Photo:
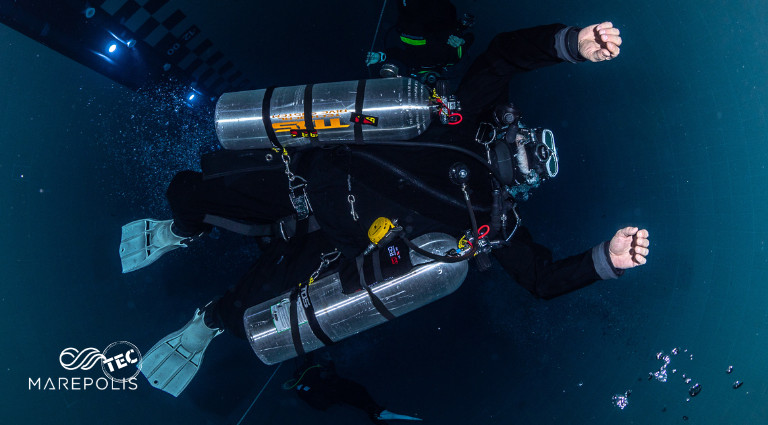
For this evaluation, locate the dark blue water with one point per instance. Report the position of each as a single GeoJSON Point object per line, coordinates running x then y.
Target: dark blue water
{"type": "Point", "coordinates": [670, 136]}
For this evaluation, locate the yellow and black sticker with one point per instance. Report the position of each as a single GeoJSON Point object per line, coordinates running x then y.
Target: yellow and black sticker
{"type": "Point", "coordinates": [365, 119]}
{"type": "Point", "coordinates": [303, 133]}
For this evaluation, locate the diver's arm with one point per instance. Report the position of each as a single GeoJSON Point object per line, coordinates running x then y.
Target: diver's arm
{"type": "Point", "coordinates": [532, 267]}
{"type": "Point", "coordinates": [509, 53]}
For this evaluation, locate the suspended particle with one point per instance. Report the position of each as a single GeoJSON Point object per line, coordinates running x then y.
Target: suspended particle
{"type": "Point", "coordinates": [621, 400]}
{"type": "Point", "coordinates": [695, 390]}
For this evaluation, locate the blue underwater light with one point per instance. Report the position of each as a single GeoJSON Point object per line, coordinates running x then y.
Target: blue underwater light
{"type": "Point", "coordinates": [194, 96]}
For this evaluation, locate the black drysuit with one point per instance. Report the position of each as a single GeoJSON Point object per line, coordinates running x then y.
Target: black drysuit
{"type": "Point", "coordinates": [334, 174]}
{"type": "Point", "coordinates": [430, 22]}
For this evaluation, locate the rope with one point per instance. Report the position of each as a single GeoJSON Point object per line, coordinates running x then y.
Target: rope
{"type": "Point", "coordinates": [376, 34]}
{"type": "Point", "coordinates": [259, 394]}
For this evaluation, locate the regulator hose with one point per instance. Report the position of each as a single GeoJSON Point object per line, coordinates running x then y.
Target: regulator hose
{"type": "Point", "coordinates": [414, 181]}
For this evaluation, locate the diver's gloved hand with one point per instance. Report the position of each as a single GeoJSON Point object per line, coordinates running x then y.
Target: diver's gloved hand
{"type": "Point", "coordinates": [599, 42]}
{"type": "Point", "coordinates": [375, 57]}
{"type": "Point", "coordinates": [628, 248]}
{"type": "Point", "coordinates": [455, 41]}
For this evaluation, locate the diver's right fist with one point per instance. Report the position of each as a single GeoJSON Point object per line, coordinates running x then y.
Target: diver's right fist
{"type": "Point", "coordinates": [375, 57]}
{"type": "Point", "coordinates": [629, 247]}
{"type": "Point", "coordinates": [599, 42]}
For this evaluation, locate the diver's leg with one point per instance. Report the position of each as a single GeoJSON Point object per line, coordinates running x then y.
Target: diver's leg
{"type": "Point", "coordinates": [355, 395]}
{"type": "Point", "coordinates": [245, 203]}
{"type": "Point", "coordinates": [280, 266]}
{"type": "Point", "coordinates": [259, 197]}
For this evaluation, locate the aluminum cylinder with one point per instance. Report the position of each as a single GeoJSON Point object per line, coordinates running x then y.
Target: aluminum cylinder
{"type": "Point", "coordinates": [401, 105]}
{"type": "Point", "coordinates": [340, 315]}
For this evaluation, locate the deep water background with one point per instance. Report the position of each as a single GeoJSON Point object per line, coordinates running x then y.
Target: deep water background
{"type": "Point", "coordinates": [671, 136]}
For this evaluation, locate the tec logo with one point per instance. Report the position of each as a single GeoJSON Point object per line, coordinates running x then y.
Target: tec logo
{"type": "Point", "coordinates": [120, 359]}
{"type": "Point", "coordinates": [394, 254]}
{"type": "Point", "coordinates": [114, 359]}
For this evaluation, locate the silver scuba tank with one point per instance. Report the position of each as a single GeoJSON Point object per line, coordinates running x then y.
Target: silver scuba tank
{"type": "Point", "coordinates": [398, 108]}
{"type": "Point", "coordinates": [267, 325]}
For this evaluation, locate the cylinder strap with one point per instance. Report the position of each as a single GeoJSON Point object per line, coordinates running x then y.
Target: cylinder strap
{"type": "Point", "coordinates": [377, 267]}
{"type": "Point", "coordinates": [294, 319]}
{"type": "Point", "coordinates": [265, 118]}
{"type": "Point", "coordinates": [302, 291]}
{"type": "Point", "coordinates": [309, 124]}
{"type": "Point", "coordinates": [359, 98]}
{"type": "Point", "coordinates": [377, 303]}
{"type": "Point", "coordinates": [309, 309]}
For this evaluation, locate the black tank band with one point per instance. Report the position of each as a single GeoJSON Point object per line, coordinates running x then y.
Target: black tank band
{"type": "Point", "coordinates": [377, 303]}
{"type": "Point", "coordinates": [294, 319]}
{"type": "Point", "coordinates": [309, 123]}
{"type": "Point", "coordinates": [359, 98]}
{"type": "Point", "coordinates": [309, 310]}
{"type": "Point", "coordinates": [300, 298]}
{"type": "Point", "coordinates": [265, 118]}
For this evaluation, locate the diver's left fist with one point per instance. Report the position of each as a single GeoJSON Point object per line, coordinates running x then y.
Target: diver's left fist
{"type": "Point", "coordinates": [455, 41]}
{"type": "Point", "coordinates": [372, 58]}
{"type": "Point", "coordinates": [599, 42]}
{"type": "Point", "coordinates": [628, 248]}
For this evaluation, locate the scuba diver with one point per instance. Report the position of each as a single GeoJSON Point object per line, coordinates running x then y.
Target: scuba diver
{"type": "Point", "coordinates": [431, 39]}
{"type": "Point", "coordinates": [362, 231]}
{"type": "Point", "coordinates": [318, 385]}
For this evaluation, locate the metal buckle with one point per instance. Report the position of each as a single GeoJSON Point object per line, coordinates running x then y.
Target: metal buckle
{"type": "Point", "coordinates": [300, 202]}
{"type": "Point", "coordinates": [483, 131]}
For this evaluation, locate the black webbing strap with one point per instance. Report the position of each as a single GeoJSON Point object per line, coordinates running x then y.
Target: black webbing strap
{"type": "Point", "coordinates": [309, 310]}
{"type": "Point", "coordinates": [309, 123]}
{"type": "Point", "coordinates": [377, 267]}
{"type": "Point", "coordinates": [377, 303]}
{"type": "Point", "coordinates": [359, 110]}
{"type": "Point", "coordinates": [265, 118]}
{"type": "Point", "coordinates": [285, 228]}
{"type": "Point", "coordinates": [294, 319]}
